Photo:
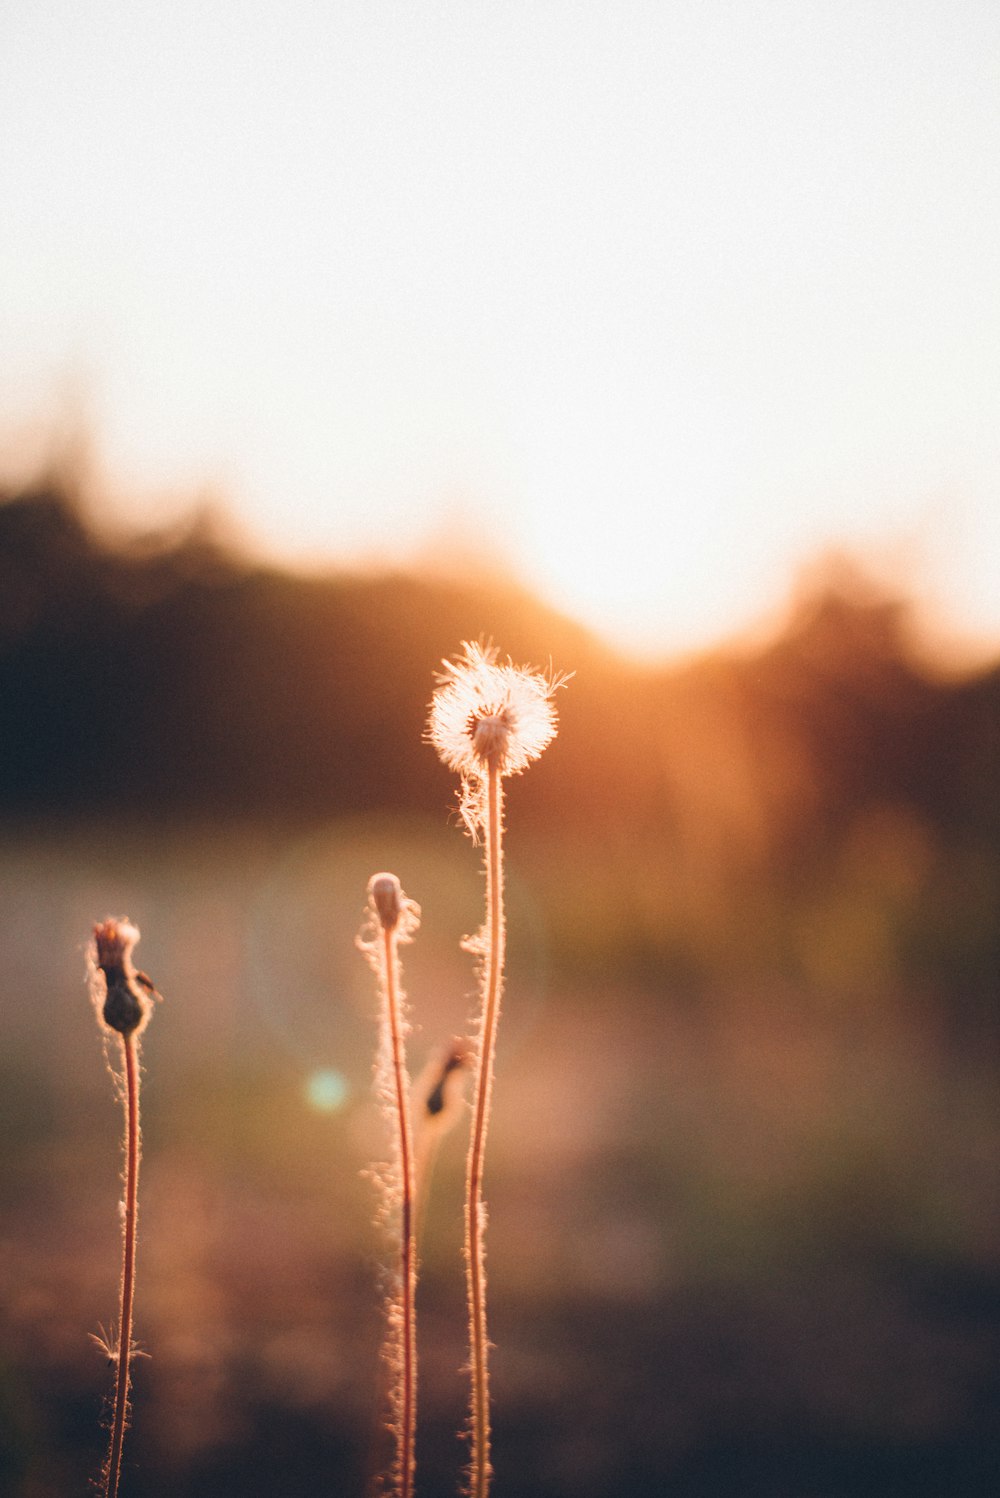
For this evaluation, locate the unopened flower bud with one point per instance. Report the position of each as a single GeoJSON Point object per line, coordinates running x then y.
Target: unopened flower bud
{"type": "Point", "coordinates": [124, 1005]}
{"type": "Point", "coordinates": [386, 896]}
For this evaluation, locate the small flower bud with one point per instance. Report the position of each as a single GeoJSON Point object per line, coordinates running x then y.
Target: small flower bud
{"type": "Point", "coordinates": [124, 1006]}
{"type": "Point", "coordinates": [386, 896]}
{"type": "Point", "coordinates": [389, 913]}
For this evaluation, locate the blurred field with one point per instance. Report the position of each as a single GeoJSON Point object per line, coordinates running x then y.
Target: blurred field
{"type": "Point", "coordinates": [745, 1229]}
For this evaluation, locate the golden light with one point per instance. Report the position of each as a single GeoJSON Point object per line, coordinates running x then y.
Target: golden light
{"type": "Point", "coordinates": [672, 297]}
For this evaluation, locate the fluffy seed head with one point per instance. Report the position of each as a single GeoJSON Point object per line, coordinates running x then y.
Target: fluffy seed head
{"type": "Point", "coordinates": [488, 715]}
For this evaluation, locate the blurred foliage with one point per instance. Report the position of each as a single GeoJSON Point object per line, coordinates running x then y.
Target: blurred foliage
{"type": "Point", "coordinates": [824, 806]}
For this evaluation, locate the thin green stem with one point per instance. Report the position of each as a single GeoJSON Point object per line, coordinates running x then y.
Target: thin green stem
{"type": "Point", "coordinates": [130, 1054]}
{"type": "Point", "coordinates": [406, 1434]}
{"type": "Point", "coordinates": [475, 1218]}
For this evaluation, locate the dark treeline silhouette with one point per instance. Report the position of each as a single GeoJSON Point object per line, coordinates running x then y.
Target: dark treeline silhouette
{"type": "Point", "coordinates": [177, 677]}
{"type": "Point", "coordinates": [181, 677]}
{"type": "Point", "coordinates": [727, 799]}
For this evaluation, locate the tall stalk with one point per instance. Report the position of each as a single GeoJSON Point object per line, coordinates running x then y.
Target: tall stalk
{"type": "Point", "coordinates": [121, 998]}
{"type": "Point", "coordinates": [392, 919]}
{"type": "Point", "coordinates": [123, 1376]}
{"type": "Point", "coordinates": [487, 720]}
{"type": "Point", "coordinates": [475, 1208]}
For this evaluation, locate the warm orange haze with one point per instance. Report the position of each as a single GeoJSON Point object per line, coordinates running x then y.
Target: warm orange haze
{"type": "Point", "coordinates": [654, 301]}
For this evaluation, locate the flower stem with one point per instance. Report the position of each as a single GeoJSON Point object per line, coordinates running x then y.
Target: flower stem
{"type": "Point", "coordinates": [475, 1222]}
{"type": "Point", "coordinates": [130, 1054]}
{"type": "Point", "coordinates": [406, 1434]}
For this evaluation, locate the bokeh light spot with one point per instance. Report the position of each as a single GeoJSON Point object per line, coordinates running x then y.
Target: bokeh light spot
{"type": "Point", "coordinates": [326, 1090]}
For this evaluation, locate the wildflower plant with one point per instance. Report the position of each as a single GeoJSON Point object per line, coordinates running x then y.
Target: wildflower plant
{"type": "Point", "coordinates": [390, 920]}
{"type": "Point", "coordinates": [488, 720]}
{"type": "Point", "coordinates": [122, 999]}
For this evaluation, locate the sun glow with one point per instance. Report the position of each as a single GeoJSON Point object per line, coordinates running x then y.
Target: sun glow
{"type": "Point", "coordinates": [670, 297]}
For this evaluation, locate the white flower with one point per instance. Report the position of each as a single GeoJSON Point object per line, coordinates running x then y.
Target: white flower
{"type": "Point", "coordinates": [489, 717]}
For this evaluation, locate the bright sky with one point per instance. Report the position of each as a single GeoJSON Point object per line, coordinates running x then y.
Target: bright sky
{"type": "Point", "coordinates": [656, 298]}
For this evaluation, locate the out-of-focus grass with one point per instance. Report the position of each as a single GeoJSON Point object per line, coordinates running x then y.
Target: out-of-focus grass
{"type": "Point", "coordinates": [744, 1232]}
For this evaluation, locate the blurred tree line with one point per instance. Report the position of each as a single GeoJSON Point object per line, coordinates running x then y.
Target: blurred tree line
{"type": "Point", "coordinates": [822, 808]}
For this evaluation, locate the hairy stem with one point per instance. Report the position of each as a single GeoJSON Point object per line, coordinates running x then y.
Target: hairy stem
{"type": "Point", "coordinates": [130, 1054]}
{"type": "Point", "coordinates": [475, 1218]}
{"type": "Point", "coordinates": [406, 1434]}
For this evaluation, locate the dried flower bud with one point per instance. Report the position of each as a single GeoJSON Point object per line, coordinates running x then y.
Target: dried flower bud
{"type": "Point", "coordinates": [120, 993]}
